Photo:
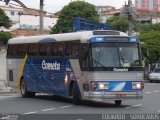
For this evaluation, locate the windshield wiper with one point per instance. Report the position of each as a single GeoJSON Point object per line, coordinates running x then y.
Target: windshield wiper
{"type": "Point", "coordinates": [135, 63]}
{"type": "Point", "coordinates": [97, 62]}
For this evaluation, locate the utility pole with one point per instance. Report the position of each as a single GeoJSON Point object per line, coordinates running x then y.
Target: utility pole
{"type": "Point", "coordinates": [129, 10]}
{"type": "Point", "coordinates": [41, 17]}
{"type": "Point", "coordinates": [130, 27]}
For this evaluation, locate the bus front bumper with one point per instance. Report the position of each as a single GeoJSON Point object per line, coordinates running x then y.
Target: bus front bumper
{"type": "Point", "coordinates": [114, 95]}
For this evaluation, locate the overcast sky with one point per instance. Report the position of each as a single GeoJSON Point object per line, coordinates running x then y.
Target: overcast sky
{"type": "Point", "coordinates": [56, 5]}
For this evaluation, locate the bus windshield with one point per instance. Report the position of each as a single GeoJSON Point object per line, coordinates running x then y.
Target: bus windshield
{"type": "Point", "coordinates": [115, 55]}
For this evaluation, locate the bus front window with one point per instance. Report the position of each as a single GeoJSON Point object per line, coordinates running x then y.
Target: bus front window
{"type": "Point", "coordinates": [105, 55]}
{"type": "Point", "coordinates": [115, 55]}
{"type": "Point", "coordinates": [129, 56]}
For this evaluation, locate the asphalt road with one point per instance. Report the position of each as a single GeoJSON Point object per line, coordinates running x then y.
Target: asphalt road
{"type": "Point", "coordinates": [43, 104]}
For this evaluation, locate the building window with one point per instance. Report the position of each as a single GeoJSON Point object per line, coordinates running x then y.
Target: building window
{"type": "Point", "coordinates": [12, 13]}
{"type": "Point", "coordinates": [10, 75]}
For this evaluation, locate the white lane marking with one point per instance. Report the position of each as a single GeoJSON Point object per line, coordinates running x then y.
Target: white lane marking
{"type": "Point", "coordinates": [134, 106]}
{"type": "Point", "coordinates": [66, 106]}
{"type": "Point", "coordinates": [152, 91]}
{"type": "Point", "coordinates": [148, 92]}
{"type": "Point", "coordinates": [30, 113]}
{"type": "Point", "coordinates": [157, 91]}
{"type": "Point", "coordinates": [48, 109]}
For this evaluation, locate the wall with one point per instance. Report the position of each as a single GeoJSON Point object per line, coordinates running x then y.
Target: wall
{"type": "Point", "coordinates": [15, 17]}
{"type": "Point", "coordinates": [17, 33]}
{"type": "Point", "coordinates": [32, 22]}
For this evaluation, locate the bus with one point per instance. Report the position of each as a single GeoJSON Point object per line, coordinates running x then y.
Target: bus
{"type": "Point", "coordinates": [86, 65]}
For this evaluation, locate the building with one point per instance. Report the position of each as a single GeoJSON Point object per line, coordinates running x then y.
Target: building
{"type": "Point", "coordinates": [152, 6]}
{"type": "Point", "coordinates": [148, 10]}
{"type": "Point", "coordinates": [106, 12]}
{"type": "Point", "coordinates": [28, 18]}
{"type": "Point", "coordinates": [12, 12]}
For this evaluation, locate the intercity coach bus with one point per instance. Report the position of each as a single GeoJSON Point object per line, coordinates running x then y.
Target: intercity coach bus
{"type": "Point", "coordinates": [87, 65]}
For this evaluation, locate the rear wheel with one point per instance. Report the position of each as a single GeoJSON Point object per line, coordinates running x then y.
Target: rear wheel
{"type": "Point", "coordinates": [76, 96]}
{"type": "Point", "coordinates": [118, 102]}
{"type": "Point", "coordinates": [24, 91]}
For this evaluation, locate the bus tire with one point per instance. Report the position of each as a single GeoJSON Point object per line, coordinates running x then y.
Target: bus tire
{"type": "Point", "coordinates": [24, 92]}
{"type": "Point", "coordinates": [118, 102]}
{"type": "Point", "coordinates": [76, 96]}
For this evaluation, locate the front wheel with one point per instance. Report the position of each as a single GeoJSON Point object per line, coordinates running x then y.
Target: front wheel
{"type": "Point", "coordinates": [76, 96]}
{"type": "Point", "coordinates": [24, 91]}
{"type": "Point", "coordinates": [118, 102]}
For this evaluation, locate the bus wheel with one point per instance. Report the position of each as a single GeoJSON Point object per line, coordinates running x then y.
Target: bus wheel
{"type": "Point", "coordinates": [24, 92]}
{"type": "Point", "coordinates": [118, 102]}
{"type": "Point", "coordinates": [76, 96]}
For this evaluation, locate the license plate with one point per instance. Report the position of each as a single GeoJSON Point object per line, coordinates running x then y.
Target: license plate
{"type": "Point", "coordinates": [120, 95]}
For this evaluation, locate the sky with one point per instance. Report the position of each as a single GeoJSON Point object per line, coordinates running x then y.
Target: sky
{"type": "Point", "coordinates": [56, 5]}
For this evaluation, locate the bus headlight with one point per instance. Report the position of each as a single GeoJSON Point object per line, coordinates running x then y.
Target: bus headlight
{"type": "Point", "coordinates": [136, 85]}
{"type": "Point", "coordinates": [103, 86]}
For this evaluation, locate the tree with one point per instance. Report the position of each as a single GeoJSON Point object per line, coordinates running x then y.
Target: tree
{"type": "Point", "coordinates": [151, 46]}
{"type": "Point", "coordinates": [118, 22]}
{"type": "Point", "coordinates": [70, 12]}
{"type": "Point", "coordinates": [4, 20]}
{"type": "Point", "coordinates": [149, 27]}
{"type": "Point", "coordinates": [5, 36]}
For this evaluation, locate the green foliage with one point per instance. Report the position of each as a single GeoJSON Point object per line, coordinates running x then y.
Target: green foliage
{"type": "Point", "coordinates": [4, 20]}
{"type": "Point", "coordinates": [151, 46]}
{"type": "Point", "coordinates": [5, 36]}
{"type": "Point", "coordinates": [118, 23]}
{"type": "Point", "coordinates": [75, 9]}
{"type": "Point", "coordinates": [149, 27]}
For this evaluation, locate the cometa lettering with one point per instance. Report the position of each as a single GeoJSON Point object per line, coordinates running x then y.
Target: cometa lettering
{"type": "Point", "coordinates": [123, 70]}
{"type": "Point", "coordinates": [50, 66]}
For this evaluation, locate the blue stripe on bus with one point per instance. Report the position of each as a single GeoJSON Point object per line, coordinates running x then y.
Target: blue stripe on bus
{"type": "Point", "coordinates": [117, 86]}
{"type": "Point", "coordinates": [105, 39]}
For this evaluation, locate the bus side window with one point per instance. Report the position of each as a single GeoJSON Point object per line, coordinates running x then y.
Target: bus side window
{"type": "Point", "coordinates": [33, 49]}
{"type": "Point", "coordinates": [12, 50]}
{"type": "Point", "coordinates": [72, 49]}
{"type": "Point", "coordinates": [58, 49]}
{"type": "Point", "coordinates": [22, 50]}
{"type": "Point", "coordinates": [85, 56]}
{"type": "Point", "coordinates": [45, 49]}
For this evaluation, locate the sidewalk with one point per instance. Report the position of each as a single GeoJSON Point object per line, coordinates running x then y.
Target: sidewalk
{"type": "Point", "coordinates": [4, 89]}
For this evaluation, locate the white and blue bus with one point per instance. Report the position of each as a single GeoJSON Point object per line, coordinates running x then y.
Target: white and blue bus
{"type": "Point", "coordinates": [87, 65]}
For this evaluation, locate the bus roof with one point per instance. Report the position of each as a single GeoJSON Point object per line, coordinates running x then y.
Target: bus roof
{"type": "Point", "coordinates": [83, 36]}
